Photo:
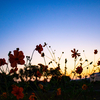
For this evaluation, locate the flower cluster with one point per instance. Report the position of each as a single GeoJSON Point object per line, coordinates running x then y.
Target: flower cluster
{"type": "Point", "coordinates": [30, 70]}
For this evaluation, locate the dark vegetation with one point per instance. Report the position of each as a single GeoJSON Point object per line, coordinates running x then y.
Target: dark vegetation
{"type": "Point", "coordinates": [70, 89]}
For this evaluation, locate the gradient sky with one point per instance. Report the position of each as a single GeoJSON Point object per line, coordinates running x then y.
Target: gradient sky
{"type": "Point", "coordinates": [62, 24]}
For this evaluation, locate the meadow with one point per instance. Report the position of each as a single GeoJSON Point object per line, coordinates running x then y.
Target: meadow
{"type": "Point", "coordinates": [60, 86]}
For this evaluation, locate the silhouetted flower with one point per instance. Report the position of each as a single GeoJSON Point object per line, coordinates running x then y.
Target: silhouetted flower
{"type": "Point", "coordinates": [44, 44]}
{"type": "Point", "coordinates": [95, 51]}
{"type": "Point", "coordinates": [57, 68]}
{"type": "Point", "coordinates": [17, 58]}
{"type": "Point", "coordinates": [18, 92]}
{"type": "Point", "coordinates": [38, 73]}
{"type": "Point", "coordinates": [84, 87]}
{"type": "Point", "coordinates": [75, 54]}
{"type": "Point", "coordinates": [59, 91]}
{"type": "Point", "coordinates": [13, 70]}
{"type": "Point", "coordinates": [45, 80]}
{"type": "Point", "coordinates": [98, 63]}
{"type": "Point", "coordinates": [45, 68]}
{"type": "Point", "coordinates": [2, 62]}
{"type": "Point", "coordinates": [79, 70]}
{"type": "Point", "coordinates": [42, 54]}
{"type": "Point", "coordinates": [91, 62]}
{"type": "Point", "coordinates": [39, 48]}
{"type": "Point", "coordinates": [86, 60]}
{"type": "Point", "coordinates": [65, 60]}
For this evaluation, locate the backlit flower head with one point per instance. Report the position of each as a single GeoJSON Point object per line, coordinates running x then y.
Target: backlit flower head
{"type": "Point", "coordinates": [39, 48]}
{"type": "Point", "coordinates": [58, 68]}
{"type": "Point", "coordinates": [95, 51]}
{"type": "Point", "coordinates": [4, 95]}
{"type": "Point", "coordinates": [18, 92]}
{"type": "Point", "coordinates": [84, 87]}
{"type": "Point", "coordinates": [45, 68]}
{"type": "Point", "coordinates": [17, 58]}
{"type": "Point", "coordinates": [65, 60]}
{"type": "Point", "coordinates": [75, 54]}
{"type": "Point", "coordinates": [2, 62]}
{"type": "Point", "coordinates": [45, 80]}
{"type": "Point", "coordinates": [79, 70]}
{"type": "Point", "coordinates": [59, 91]}
{"type": "Point", "coordinates": [38, 73]}
{"type": "Point", "coordinates": [13, 70]}
{"type": "Point", "coordinates": [44, 44]}
{"type": "Point", "coordinates": [98, 63]}
{"type": "Point", "coordinates": [32, 97]}
{"type": "Point", "coordinates": [40, 86]}
{"type": "Point", "coordinates": [42, 54]}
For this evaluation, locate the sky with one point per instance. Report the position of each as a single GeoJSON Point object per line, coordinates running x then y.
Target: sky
{"type": "Point", "coordinates": [62, 24]}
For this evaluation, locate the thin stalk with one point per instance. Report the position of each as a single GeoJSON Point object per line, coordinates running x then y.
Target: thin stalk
{"type": "Point", "coordinates": [50, 52]}
{"type": "Point", "coordinates": [7, 66]}
{"type": "Point", "coordinates": [44, 60]}
{"type": "Point", "coordinates": [49, 58]}
{"type": "Point", "coordinates": [74, 64]}
{"type": "Point", "coordinates": [31, 56]}
{"type": "Point", "coordinates": [94, 59]}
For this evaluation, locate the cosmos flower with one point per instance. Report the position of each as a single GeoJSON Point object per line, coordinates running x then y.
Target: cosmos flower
{"type": "Point", "coordinates": [4, 94]}
{"type": "Point", "coordinates": [32, 97]}
{"type": "Point", "coordinates": [95, 51]}
{"type": "Point", "coordinates": [75, 54]}
{"type": "Point", "coordinates": [58, 68]}
{"type": "Point", "coordinates": [17, 58]}
{"type": "Point", "coordinates": [45, 80]}
{"type": "Point", "coordinates": [79, 70]}
{"type": "Point", "coordinates": [13, 70]}
{"type": "Point", "coordinates": [40, 86]}
{"type": "Point", "coordinates": [59, 91]}
{"type": "Point", "coordinates": [44, 68]}
{"type": "Point", "coordinates": [2, 62]}
{"type": "Point", "coordinates": [38, 73]}
{"type": "Point", "coordinates": [84, 87]}
{"type": "Point", "coordinates": [39, 48]}
{"type": "Point", "coordinates": [98, 63]}
{"type": "Point", "coordinates": [18, 92]}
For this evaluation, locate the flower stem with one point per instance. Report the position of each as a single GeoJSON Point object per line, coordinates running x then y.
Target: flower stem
{"type": "Point", "coordinates": [44, 60]}
{"type": "Point", "coordinates": [31, 55]}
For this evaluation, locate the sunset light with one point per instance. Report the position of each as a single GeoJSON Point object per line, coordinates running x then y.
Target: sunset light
{"type": "Point", "coordinates": [49, 41]}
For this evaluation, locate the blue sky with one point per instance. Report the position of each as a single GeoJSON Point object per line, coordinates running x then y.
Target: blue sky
{"type": "Point", "coordinates": [63, 24]}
